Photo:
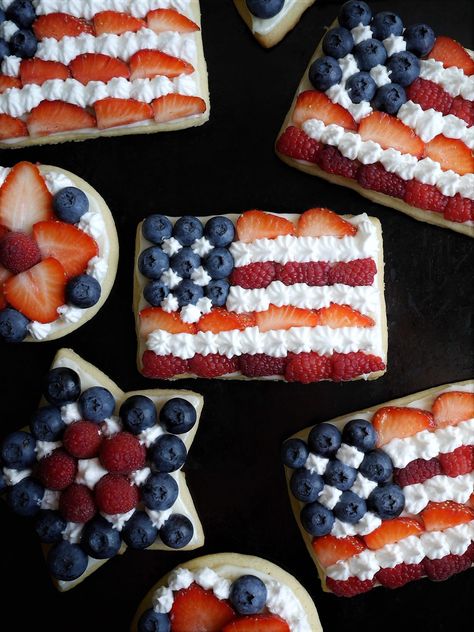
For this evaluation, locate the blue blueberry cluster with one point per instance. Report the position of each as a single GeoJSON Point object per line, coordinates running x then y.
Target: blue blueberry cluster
{"type": "Point", "coordinates": [327, 444]}
{"type": "Point", "coordinates": [265, 9]}
{"type": "Point", "coordinates": [23, 42]}
{"type": "Point", "coordinates": [403, 67]}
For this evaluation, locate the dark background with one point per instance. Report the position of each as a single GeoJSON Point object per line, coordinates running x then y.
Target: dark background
{"type": "Point", "coordinates": [228, 166]}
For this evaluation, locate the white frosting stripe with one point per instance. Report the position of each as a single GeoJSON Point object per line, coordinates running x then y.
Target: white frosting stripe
{"type": "Point", "coordinates": [453, 79]}
{"type": "Point", "coordinates": [438, 489]}
{"type": "Point", "coordinates": [429, 123]}
{"type": "Point", "coordinates": [88, 8]}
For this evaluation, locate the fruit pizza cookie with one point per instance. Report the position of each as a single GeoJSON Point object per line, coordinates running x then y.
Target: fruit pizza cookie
{"type": "Point", "coordinates": [227, 592]}
{"type": "Point", "coordinates": [387, 109]}
{"type": "Point", "coordinates": [261, 296]}
{"type": "Point", "coordinates": [385, 496]}
{"type": "Point", "coordinates": [99, 470]}
{"type": "Point", "coordinates": [58, 252]}
{"type": "Point", "coordinates": [72, 70]}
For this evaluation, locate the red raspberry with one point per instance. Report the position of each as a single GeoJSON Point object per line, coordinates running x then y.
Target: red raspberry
{"type": "Point", "coordinates": [347, 366]}
{"type": "Point", "coordinates": [167, 366]}
{"type": "Point", "coordinates": [296, 144]}
{"type": "Point", "coordinates": [76, 504]}
{"type": "Point", "coordinates": [350, 587]}
{"type": "Point", "coordinates": [429, 95]}
{"type": "Point", "coordinates": [377, 178]}
{"type": "Point", "coordinates": [459, 461]}
{"type": "Point", "coordinates": [19, 252]}
{"type": "Point", "coordinates": [400, 575]}
{"type": "Point", "coordinates": [353, 273]}
{"type": "Point", "coordinates": [57, 471]}
{"type": "Point", "coordinates": [253, 275]}
{"type": "Point", "coordinates": [463, 109]}
{"type": "Point", "coordinates": [470, 552]}
{"type": "Point", "coordinates": [260, 364]}
{"type": "Point", "coordinates": [114, 494]}
{"type": "Point", "coordinates": [425, 196]}
{"type": "Point", "coordinates": [83, 439]}
{"type": "Point", "coordinates": [459, 209]}
{"type": "Point", "coordinates": [212, 365]}
{"type": "Point", "coordinates": [332, 161]}
{"type": "Point", "coordinates": [122, 453]}
{"type": "Point", "coordinates": [312, 273]}
{"type": "Point", "coordinates": [307, 368]}
{"type": "Point", "coordinates": [416, 471]}
{"type": "Point", "coordinates": [447, 565]}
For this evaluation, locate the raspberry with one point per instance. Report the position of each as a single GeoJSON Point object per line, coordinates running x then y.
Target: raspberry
{"type": "Point", "coordinates": [167, 366]}
{"type": "Point", "coordinates": [114, 494]}
{"type": "Point", "coordinates": [332, 161]}
{"type": "Point", "coordinates": [82, 439]}
{"type": "Point", "coordinates": [19, 252]}
{"type": "Point", "coordinates": [212, 365]}
{"type": "Point", "coordinates": [416, 471]}
{"type": "Point", "coordinates": [459, 209]}
{"type": "Point", "coordinates": [346, 366]}
{"type": "Point", "coordinates": [57, 471]}
{"type": "Point", "coordinates": [399, 575]}
{"type": "Point", "coordinates": [312, 273]}
{"type": "Point", "coordinates": [375, 177]}
{"type": "Point", "coordinates": [425, 196]}
{"type": "Point", "coordinates": [463, 109]}
{"type": "Point", "coordinates": [353, 273]}
{"type": "Point", "coordinates": [76, 504]}
{"type": "Point", "coordinates": [122, 453]}
{"type": "Point", "coordinates": [429, 95]}
{"type": "Point", "coordinates": [470, 552]}
{"type": "Point", "coordinates": [307, 368]}
{"type": "Point", "coordinates": [260, 364]}
{"type": "Point", "coordinates": [253, 275]}
{"type": "Point", "coordinates": [459, 461]}
{"type": "Point", "coordinates": [296, 144]}
{"type": "Point", "coordinates": [350, 587]}
{"type": "Point", "coordinates": [446, 566]}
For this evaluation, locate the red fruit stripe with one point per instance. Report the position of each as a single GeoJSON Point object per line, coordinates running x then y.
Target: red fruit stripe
{"type": "Point", "coordinates": [163, 367]}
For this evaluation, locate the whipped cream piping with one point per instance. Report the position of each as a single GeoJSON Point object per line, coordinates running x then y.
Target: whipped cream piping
{"type": "Point", "coordinates": [429, 123]}
{"type": "Point", "coordinates": [453, 79]}
{"type": "Point", "coordinates": [263, 26]}
{"type": "Point", "coordinates": [438, 489]}
{"type": "Point", "coordinates": [88, 8]}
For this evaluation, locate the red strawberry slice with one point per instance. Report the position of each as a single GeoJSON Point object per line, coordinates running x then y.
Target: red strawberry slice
{"type": "Point", "coordinates": [220, 319]}
{"type": "Point", "coordinates": [451, 154]}
{"type": "Point", "coordinates": [53, 117]}
{"type": "Point", "coordinates": [7, 82]}
{"type": "Point", "coordinates": [285, 318]}
{"type": "Point", "coordinates": [313, 104]}
{"type": "Point", "coordinates": [153, 318]}
{"type": "Point", "coordinates": [38, 71]}
{"type": "Point", "coordinates": [440, 516]}
{"type": "Point", "coordinates": [394, 422]}
{"type": "Point", "coordinates": [253, 225]}
{"type": "Point", "coordinates": [113, 112]}
{"type": "Point", "coordinates": [97, 67]}
{"type": "Point", "coordinates": [59, 25]}
{"type": "Point", "coordinates": [147, 63]}
{"type": "Point", "coordinates": [459, 461]}
{"type": "Point", "coordinates": [11, 127]}
{"type": "Point", "coordinates": [162, 20]}
{"type": "Point", "coordinates": [390, 132]}
{"type": "Point", "coordinates": [451, 53]}
{"type": "Point", "coordinates": [38, 292]}
{"type": "Point", "coordinates": [116, 23]}
{"type": "Point", "coordinates": [330, 549]}
{"type": "Point", "coordinates": [391, 531]}
{"type": "Point", "coordinates": [176, 106]}
{"type": "Point", "coordinates": [72, 247]}
{"type": "Point", "coordinates": [451, 408]}
{"type": "Point", "coordinates": [24, 198]}
{"type": "Point", "coordinates": [258, 623]}
{"type": "Point", "coordinates": [336, 316]}
{"type": "Point", "coordinates": [4, 275]}
{"type": "Point", "coordinates": [198, 610]}
{"type": "Point", "coordinates": [319, 222]}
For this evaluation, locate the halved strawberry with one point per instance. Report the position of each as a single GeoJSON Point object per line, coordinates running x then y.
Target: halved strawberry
{"type": "Point", "coordinates": [4, 275]}
{"type": "Point", "coordinates": [440, 516]}
{"type": "Point", "coordinates": [313, 104]}
{"type": "Point", "coordinates": [336, 316]}
{"type": "Point", "coordinates": [38, 71]}
{"type": "Point", "coordinates": [59, 25]}
{"type": "Point", "coordinates": [153, 318]}
{"type": "Point", "coordinates": [24, 198]}
{"type": "Point", "coordinates": [97, 67]}
{"type": "Point", "coordinates": [219, 319]}
{"type": "Point", "coordinates": [7, 82]}
{"type": "Point", "coordinates": [11, 127]}
{"type": "Point", "coordinates": [452, 407]}
{"type": "Point", "coordinates": [147, 64]}
{"type": "Point", "coordinates": [285, 318]}
{"type": "Point", "coordinates": [72, 247]}
{"type": "Point", "coordinates": [116, 23]}
{"type": "Point", "coordinates": [330, 549]}
{"type": "Point", "coordinates": [38, 292]}
{"type": "Point", "coordinates": [391, 531]}
{"type": "Point", "coordinates": [458, 462]}
{"type": "Point", "coordinates": [318, 222]}
{"type": "Point", "coordinates": [53, 117]}
{"type": "Point", "coordinates": [170, 107]}
{"type": "Point", "coordinates": [257, 623]}
{"type": "Point", "coordinates": [394, 422]}
{"type": "Point", "coordinates": [112, 112]}
{"type": "Point", "coordinates": [161, 20]}
{"type": "Point", "coordinates": [253, 225]}
{"type": "Point", "coordinates": [198, 610]}
{"type": "Point", "coordinates": [390, 132]}
{"type": "Point", "coordinates": [451, 154]}
{"type": "Point", "coordinates": [451, 53]}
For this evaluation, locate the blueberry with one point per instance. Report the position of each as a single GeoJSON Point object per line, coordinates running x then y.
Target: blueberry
{"type": "Point", "coordinates": [138, 413]}
{"type": "Point", "coordinates": [178, 415]}
{"type": "Point", "coordinates": [23, 44]}
{"type": "Point", "coordinates": [361, 87]}
{"type": "Point", "coordinates": [13, 325]}
{"type": "Point", "coordinates": [159, 492]}
{"type": "Point", "coordinates": [155, 292]}
{"type": "Point", "coordinates": [100, 540]}
{"type": "Point", "coordinates": [389, 98]}
{"type": "Point", "coordinates": [385, 24]}
{"type": "Point", "coordinates": [168, 453]}
{"type": "Point", "coordinates": [25, 497]}
{"type": "Point", "coordinates": [350, 508]}
{"type": "Point", "coordinates": [353, 13]}
{"type": "Point", "coordinates": [305, 485]}
{"type": "Point", "coordinates": [265, 8]}
{"type": "Point", "coordinates": [217, 291]}
{"type": "Point", "coordinates": [2, 16]}
{"type": "Point", "coordinates": [324, 440]}
{"type": "Point", "coordinates": [177, 531]}
{"type": "Point", "coordinates": [96, 404]}
{"type": "Point", "coordinates": [219, 231]}
{"type": "Point", "coordinates": [139, 532]}
{"type": "Point", "coordinates": [317, 519]}
{"type": "Point", "coordinates": [420, 39]}
{"type": "Point", "coordinates": [18, 450]}
{"type": "Point", "coordinates": [3, 482]}
{"type": "Point", "coordinates": [187, 229]}
{"type": "Point", "coordinates": [294, 453]}
{"type": "Point", "coordinates": [62, 386]}
{"type": "Point", "coordinates": [340, 475]}
{"type": "Point", "coordinates": [157, 228]}
{"type": "Point", "coordinates": [248, 595]}
{"type": "Point", "coordinates": [377, 466]}
{"type": "Point", "coordinates": [338, 42]}
{"type": "Point", "coordinates": [70, 204]}
{"type": "Point", "coordinates": [184, 262]}
{"type": "Point", "coordinates": [22, 12]}
{"type": "Point", "coordinates": [4, 49]}
{"type": "Point", "coordinates": [151, 621]}
{"type": "Point", "coordinates": [66, 561]}
{"type": "Point", "coordinates": [403, 67]}
{"type": "Point", "coordinates": [188, 293]}
{"type": "Point", "coordinates": [83, 291]}
{"type": "Point", "coordinates": [152, 262]}
{"type": "Point", "coordinates": [360, 433]}
{"type": "Point", "coordinates": [219, 263]}
{"type": "Point", "coordinates": [324, 73]}
{"type": "Point", "coordinates": [387, 501]}
{"type": "Point", "coordinates": [369, 53]}
{"type": "Point", "coordinates": [49, 525]}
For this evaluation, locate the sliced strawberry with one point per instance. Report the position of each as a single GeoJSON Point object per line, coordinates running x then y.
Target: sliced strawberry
{"type": "Point", "coordinates": [330, 549]}
{"type": "Point", "coordinates": [318, 222]}
{"type": "Point", "coordinates": [147, 64]}
{"type": "Point", "coordinates": [458, 462]}
{"type": "Point", "coordinates": [220, 319]}
{"type": "Point", "coordinates": [257, 623]}
{"type": "Point", "coordinates": [53, 117]}
{"type": "Point", "coordinates": [451, 154]}
{"type": "Point", "coordinates": [59, 25]}
{"type": "Point", "coordinates": [111, 112]}
{"type": "Point", "coordinates": [153, 318]}
{"type": "Point", "coordinates": [116, 23]}
{"type": "Point", "coordinates": [38, 71]}
{"type": "Point", "coordinates": [394, 422]}
{"type": "Point", "coordinates": [390, 132]}
{"type": "Point", "coordinates": [72, 247]}
{"type": "Point", "coordinates": [253, 225]}
{"type": "Point", "coordinates": [162, 20]}
{"type": "Point", "coordinates": [336, 316]}
{"type": "Point", "coordinates": [285, 318]}
{"type": "Point", "coordinates": [198, 610]}
{"type": "Point", "coordinates": [451, 408]}
{"type": "Point", "coordinates": [38, 292]}
{"type": "Point", "coordinates": [97, 67]}
{"type": "Point", "coordinates": [451, 53]}
{"type": "Point", "coordinates": [24, 198]}
{"type": "Point", "coordinates": [7, 82]}
{"type": "Point", "coordinates": [4, 275]}
{"type": "Point", "coordinates": [440, 516]}
{"type": "Point", "coordinates": [316, 105]}
{"type": "Point", "coordinates": [170, 107]}
{"type": "Point", "coordinates": [391, 531]}
{"type": "Point", "coordinates": [11, 127]}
